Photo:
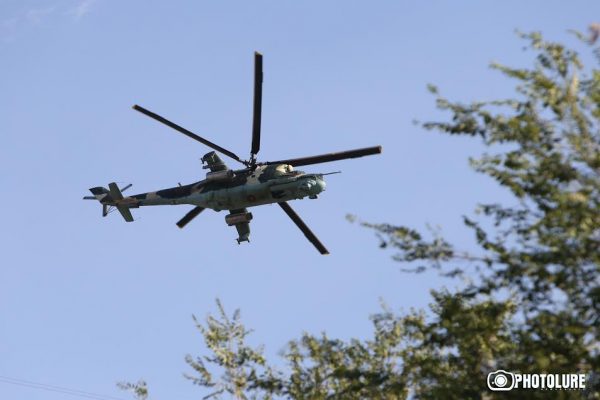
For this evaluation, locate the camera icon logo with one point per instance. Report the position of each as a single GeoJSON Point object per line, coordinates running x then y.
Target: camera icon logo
{"type": "Point", "coordinates": [500, 380]}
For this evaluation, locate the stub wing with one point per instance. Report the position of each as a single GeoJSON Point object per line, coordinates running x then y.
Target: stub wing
{"type": "Point", "coordinates": [241, 219]}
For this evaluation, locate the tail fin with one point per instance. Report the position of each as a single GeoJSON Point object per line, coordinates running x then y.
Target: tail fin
{"type": "Point", "coordinates": [124, 210]}
{"type": "Point", "coordinates": [116, 194]}
{"type": "Point", "coordinates": [98, 192]}
{"type": "Point", "coordinates": [110, 198]}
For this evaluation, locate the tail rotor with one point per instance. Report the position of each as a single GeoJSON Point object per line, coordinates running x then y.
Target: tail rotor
{"type": "Point", "coordinates": [111, 199]}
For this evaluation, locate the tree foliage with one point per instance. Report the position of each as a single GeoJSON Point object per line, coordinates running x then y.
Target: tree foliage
{"type": "Point", "coordinates": [532, 304]}
{"type": "Point", "coordinates": [542, 254]}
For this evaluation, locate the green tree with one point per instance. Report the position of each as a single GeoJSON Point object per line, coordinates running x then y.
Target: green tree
{"type": "Point", "coordinates": [532, 304]}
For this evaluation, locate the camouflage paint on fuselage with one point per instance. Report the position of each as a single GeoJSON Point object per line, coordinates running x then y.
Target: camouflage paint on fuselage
{"type": "Point", "coordinates": [264, 185]}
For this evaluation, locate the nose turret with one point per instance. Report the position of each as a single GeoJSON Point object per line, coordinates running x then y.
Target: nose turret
{"type": "Point", "coordinates": [313, 185]}
{"type": "Point", "coordinates": [321, 185]}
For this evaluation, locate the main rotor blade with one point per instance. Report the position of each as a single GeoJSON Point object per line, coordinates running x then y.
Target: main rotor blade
{"type": "Point", "coordinates": [186, 132]}
{"type": "Point", "coordinates": [307, 232]}
{"type": "Point", "coordinates": [189, 216]}
{"type": "Point", "coordinates": [323, 158]}
{"type": "Point", "coordinates": [258, 79]}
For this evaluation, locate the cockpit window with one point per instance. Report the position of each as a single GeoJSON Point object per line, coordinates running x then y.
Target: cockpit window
{"type": "Point", "coordinates": [286, 170]}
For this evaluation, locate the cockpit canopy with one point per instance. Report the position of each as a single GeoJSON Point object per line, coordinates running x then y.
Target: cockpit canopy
{"type": "Point", "coordinates": [286, 170]}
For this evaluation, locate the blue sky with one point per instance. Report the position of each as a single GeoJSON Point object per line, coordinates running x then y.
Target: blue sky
{"type": "Point", "coordinates": [86, 302]}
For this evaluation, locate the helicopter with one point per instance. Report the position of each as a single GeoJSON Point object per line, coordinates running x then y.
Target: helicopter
{"type": "Point", "coordinates": [234, 190]}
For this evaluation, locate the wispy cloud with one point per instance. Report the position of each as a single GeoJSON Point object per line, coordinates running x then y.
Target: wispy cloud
{"type": "Point", "coordinates": [36, 15]}
{"type": "Point", "coordinates": [82, 8]}
{"type": "Point", "coordinates": [9, 27]}
{"type": "Point", "coordinates": [75, 9]}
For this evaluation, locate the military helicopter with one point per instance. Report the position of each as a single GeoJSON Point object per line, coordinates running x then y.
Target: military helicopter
{"type": "Point", "coordinates": [256, 184]}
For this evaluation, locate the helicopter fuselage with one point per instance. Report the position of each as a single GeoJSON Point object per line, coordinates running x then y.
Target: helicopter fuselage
{"type": "Point", "coordinates": [257, 184]}
{"type": "Point", "coordinates": [238, 189]}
